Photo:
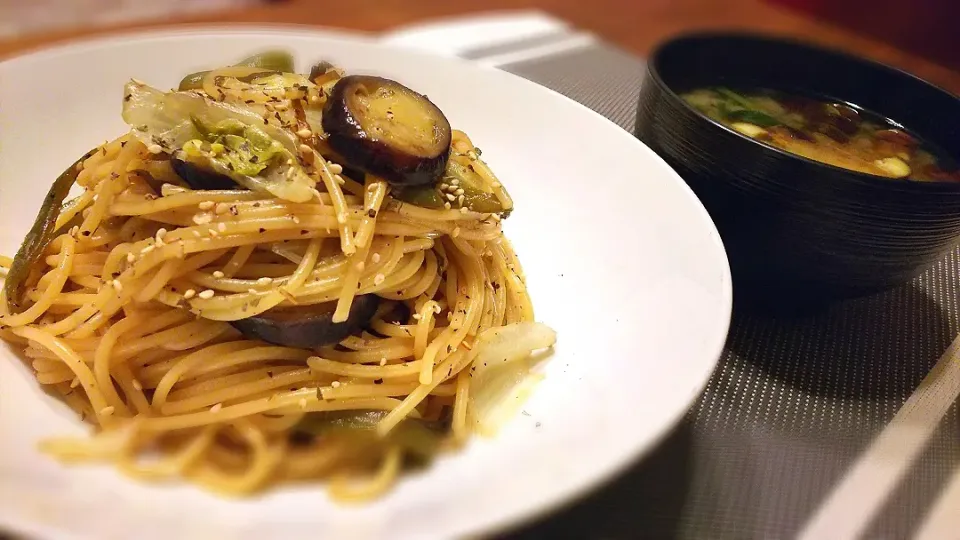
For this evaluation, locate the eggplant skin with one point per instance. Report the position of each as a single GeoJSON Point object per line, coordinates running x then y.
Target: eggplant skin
{"type": "Point", "coordinates": [198, 178]}
{"type": "Point", "coordinates": [319, 69]}
{"type": "Point", "coordinates": [308, 327]}
{"type": "Point", "coordinates": [379, 155]}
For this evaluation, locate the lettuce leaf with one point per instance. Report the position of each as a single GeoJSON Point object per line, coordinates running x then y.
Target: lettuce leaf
{"type": "Point", "coordinates": [220, 137]}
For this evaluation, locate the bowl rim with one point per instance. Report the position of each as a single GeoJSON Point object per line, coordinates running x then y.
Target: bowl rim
{"type": "Point", "coordinates": [848, 175]}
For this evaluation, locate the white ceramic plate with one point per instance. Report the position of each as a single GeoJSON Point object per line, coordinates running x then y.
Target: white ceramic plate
{"type": "Point", "coordinates": [621, 258]}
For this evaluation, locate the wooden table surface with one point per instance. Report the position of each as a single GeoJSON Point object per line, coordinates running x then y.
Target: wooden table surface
{"type": "Point", "coordinates": [635, 25]}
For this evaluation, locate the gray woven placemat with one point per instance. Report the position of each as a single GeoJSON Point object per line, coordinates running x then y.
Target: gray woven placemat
{"type": "Point", "coordinates": [792, 403]}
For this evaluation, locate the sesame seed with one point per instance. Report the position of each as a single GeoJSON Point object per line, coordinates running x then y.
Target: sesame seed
{"type": "Point", "coordinates": [202, 219]}
{"type": "Point", "coordinates": [206, 205]}
{"type": "Point", "coordinates": [339, 179]}
{"type": "Point", "coordinates": [378, 279]}
{"type": "Point", "coordinates": [383, 361]}
{"type": "Point", "coordinates": [463, 209]}
{"type": "Point", "coordinates": [454, 181]}
{"type": "Point", "coordinates": [341, 219]}
{"type": "Point", "coordinates": [496, 184]}
{"type": "Point", "coordinates": [154, 149]}
{"type": "Point", "coordinates": [74, 230]}
{"type": "Point", "coordinates": [218, 274]}
{"type": "Point", "coordinates": [417, 316]}
{"type": "Point", "coordinates": [496, 217]}
{"type": "Point", "coordinates": [446, 205]}
{"type": "Point", "coordinates": [196, 233]}
{"type": "Point", "coordinates": [189, 294]}
{"type": "Point", "coordinates": [264, 281]}
{"type": "Point", "coordinates": [222, 208]}
{"type": "Point", "coordinates": [375, 258]}
{"type": "Point", "coordinates": [450, 197]}
{"type": "Point", "coordinates": [456, 232]}
{"type": "Point", "coordinates": [305, 149]}
{"type": "Point", "coordinates": [136, 384]}
{"type": "Point", "coordinates": [444, 187]}
{"type": "Point", "coordinates": [222, 227]}
{"type": "Point", "coordinates": [335, 168]}
{"type": "Point", "coordinates": [107, 411]}
{"type": "Point", "coordinates": [460, 200]}
{"type": "Point", "coordinates": [458, 192]}
{"type": "Point", "coordinates": [117, 285]}
{"type": "Point", "coordinates": [296, 220]}
{"type": "Point", "coordinates": [304, 133]}
{"type": "Point", "coordinates": [290, 162]}
{"type": "Point", "coordinates": [335, 384]}
{"type": "Point", "coordinates": [436, 309]}
{"type": "Point", "coordinates": [216, 408]}
{"type": "Point", "coordinates": [131, 258]}
{"type": "Point", "coordinates": [206, 294]}
{"type": "Point", "coordinates": [75, 383]}
{"type": "Point", "coordinates": [147, 249]}
{"type": "Point", "coordinates": [213, 233]}
{"type": "Point", "coordinates": [252, 291]}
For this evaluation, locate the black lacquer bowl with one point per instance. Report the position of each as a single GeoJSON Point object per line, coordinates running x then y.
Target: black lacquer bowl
{"type": "Point", "coordinates": [796, 230]}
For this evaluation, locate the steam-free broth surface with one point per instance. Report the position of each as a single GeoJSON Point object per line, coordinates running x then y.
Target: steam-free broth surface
{"type": "Point", "coordinates": [830, 132]}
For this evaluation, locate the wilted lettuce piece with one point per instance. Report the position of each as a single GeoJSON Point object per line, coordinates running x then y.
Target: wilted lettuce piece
{"type": "Point", "coordinates": [221, 137]}
{"type": "Point", "coordinates": [502, 376]}
{"type": "Point", "coordinates": [280, 61]}
{"type": "Point", "coordinates": [244, 149]}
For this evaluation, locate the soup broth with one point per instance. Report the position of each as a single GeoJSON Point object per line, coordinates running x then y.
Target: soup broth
{"type": "Point", "coordinates": [829, 132]}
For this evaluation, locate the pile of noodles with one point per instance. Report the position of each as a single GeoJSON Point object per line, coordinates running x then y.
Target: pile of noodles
{"type": "Point", "coordinates": [127, 315]}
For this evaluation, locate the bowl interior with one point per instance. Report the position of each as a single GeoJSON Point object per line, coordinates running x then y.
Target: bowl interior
{"type": "Point", "coordinates": [795, 67]}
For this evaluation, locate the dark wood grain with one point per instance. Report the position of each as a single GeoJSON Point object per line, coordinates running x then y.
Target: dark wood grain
{"type": "Point", "coordinates": [635, 25]}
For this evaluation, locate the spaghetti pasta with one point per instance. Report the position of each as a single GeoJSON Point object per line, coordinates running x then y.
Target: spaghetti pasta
{"type": "Point", "coordinates": [235, 293]}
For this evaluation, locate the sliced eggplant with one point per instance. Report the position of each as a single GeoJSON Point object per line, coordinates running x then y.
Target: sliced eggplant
{"type": "Point", "coordinates": [198, 178]}
{"type": "Point", "coordinates": [319, 69]}
{"type": "Point", "coordinates": [308, 327]}
{"type": "Point", "coordinates": [325, 75]}
{"type": "Point", "coordinates": [387, 129]}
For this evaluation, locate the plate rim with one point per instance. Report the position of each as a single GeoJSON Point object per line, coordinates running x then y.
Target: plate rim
{"type": "Point", "coordinates": [555, 502]}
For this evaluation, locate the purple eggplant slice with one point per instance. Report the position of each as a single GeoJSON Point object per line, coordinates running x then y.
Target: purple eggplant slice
{"type": "Point", "coordinates": [308, 327]}
{"type": "Point", "coordinates": [199, 178]}
{"type": "Point", "coordinates": [387, 129]}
